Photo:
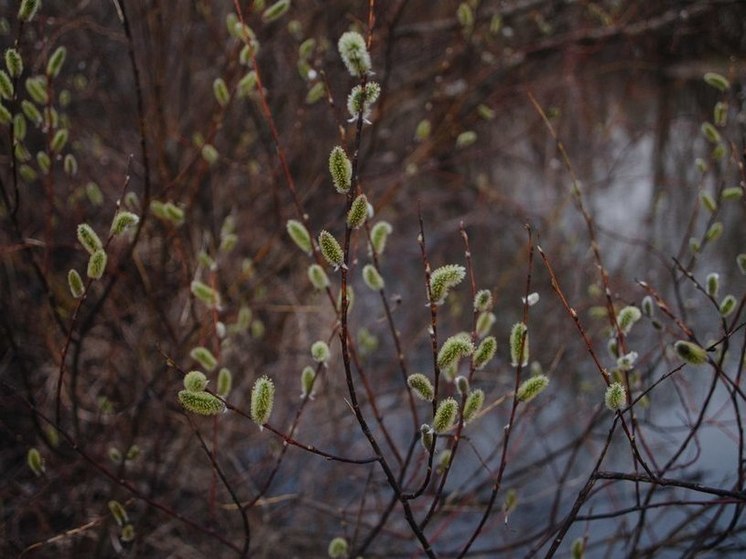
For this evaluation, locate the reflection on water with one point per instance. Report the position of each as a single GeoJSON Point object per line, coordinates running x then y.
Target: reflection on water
{"type": "Point", "coordinates": [633, 142]}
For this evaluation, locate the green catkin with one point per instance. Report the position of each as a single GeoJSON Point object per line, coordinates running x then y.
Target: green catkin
{"type": "Point", "coordinates": [21, 153]}
{"type": "Point", "coordinates": [75, 282]}
{"type": "Point", "coordinates": [115, 455]}
{"type": "Point", "coordinates": [712, 284]}
{"type": "Point", "coordinates": [320, 351]}
{"type": "Point", "coordinates": [315, 93]}
{"type": "Point", "coordinates": [443, 279]}
{"type": "Point", "coordinates": [473, 404]}
{"type": "Point", "coordinates": [727, 305]}
{"type": "Point", "coordinates": [741, 262]}
{"type": "Point", "coordinates": [158, 209]}
{"type": "Point", "coordinates": [379, 234]}
{"type": "Point", "coordinates": [6, 86]}
{"type": "Point", "coordinates": [511, 501]}
{"type": "Point", "coordinates": [708, 201]}
{"type": "Point", "coordinates": [247, 84]}
{"type": "Point", "coordinates": [465, 139]}
{"type": "Point", "coordinates": [532, 387]}
{"type": "Point", "coordinates": [202, 403]}
{"type": "Point", "coordinates": [70, 165]}
{"type": "Point", "coordinates": [714, 232]}
{"type": "Point", "coordinates": [338, 548]}
{"type": "Point", "coordinates": [94, 194]}
{"type": "Point", "coordinates": [358, 212]}
{"type": "Point", "coordinates": [426, 436]}
{"type": "Point", "coordinates": [422, 132]}
{"type": "Point", "coordinates": [122, 221]}
{"type": "Point", "coordinates": [205, 293]}
{"type": "Point", "coordinates": [276, 11]}
{"type": "Point", "coordinates": [97, 264]}
{"type": "Point", "coordinates": [484, 352]}
{"type": "Point", "coordinates": [340, 169]}
{"type": "Point", "coordinates": [453, 349]}
{"type": "Point", "coordinates": [228, 242]}
{"type": "Point", "coordinates": [19, 127]}
{"type": "Point", "coordinates": [627, 317]}
{"type": "Point", "coordinates": [225, 382]}
{"type": "Point", "coordinates": [717, 81]}
{"type": "Point", "coordinates": [205, 260]}
{"type": "Point", "coordinates": [300, 235]}
{"type": "Point", "coordinates": [306, 48]}
{"type": "Point", "coordinates": [732, 193]}
{"type": "Point", "coordinates": [720, 113]}
{"type": "Point", "coordinates": [5, 116]}
{"type": "Point", "coordinates": [228, 226]}
{"type": "Point", "coordinates": [485, 321]}
{"type": "Point", "coordinates": [220, 90]}
{"type": "Point", "coordinates": [204, 357]}
{"type": "Point", "coordinates": [444, 461]}
{"type": "Point", "coordinates": [210, 154]}
{"type": "Point", "coordinates": [262, 400]}
{"type": "Point", "coordinates": [372, 278]}
{"type": "Point", "coordinates": [13, 62]}
{"type": "Point", "coordinates": [577, 550]}
{"type": "Point", "coordinates": [317, 276]}
{"type": "Point", "coordinates": [54, 65]}
{"type": "Point", "coordinates": [354, 53]}
{"type": "Point", "coordinates": [627, 361]}
{"type": "Point", "coordinates": [647, 306]}
{"type": "Point", "coordinates": [27, 173]}
{"type": "Point", "coordinates": [307, 378]}
{"type": "Point", "coordinates": [519, 347]}
{"type": "Point", "coordinates": [462, 385]}
{"type": "Point", "coordinates": [486, 112]}
{"type": "Point", "coordinates": [360, 101]}
{"type": "Point", "coordinates": [613, 346]}
{"type": "Point", "coordinates": [615, 396]}
{"type": "Point", "coordinates": [28, 9]}
{"type": "Point", "coordinates": [445, 415]}
{"type": "Point", "coordinates": [88, 238]}
{"type": "Point", "coordinates": [59, 140]}
{"type": "Point", "coordinates": [243, 318]}
{"type": "Point", "coordinates": [36, 87]}
{"type": "Point", "coordinates": [35, 462]}
{"type": "Point", "coordinates": [465, 15]}
{"type": "Point", "coordinates": [690, 352]}
{"type": "Point", "coordinates": [118, 512]}
{"type": "Point", "coordinates": [483, 301]}
{"type": "Point", "coordinates": [173, 213]}
{"type": "Point", "coordinates": [195, 381]}
{"type": "Point", "coordinates": [331, 250]}
{"type": "Point", "coordinates": [250, 49]}
{"type": "Point", "coordinates": [367, 342]}
{"type": "Point", "coordinates": [710, 132]}
{"type": "Point", "coordinates": [232, 25]}
{"type": "Point", "coordinates": [421, 386]}
{"type": "Point", "coordinates": [258, 329]}
{"type": "Point", "coordinates": [127, 534]}
{"type": "Point", "coordinates": [719, 151]}
{"type": "Point", "coordinates": [31, 112]}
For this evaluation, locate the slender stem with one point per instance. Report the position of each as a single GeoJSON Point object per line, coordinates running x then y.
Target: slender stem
{"type": "Point", "coordinates": [218, 470]}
